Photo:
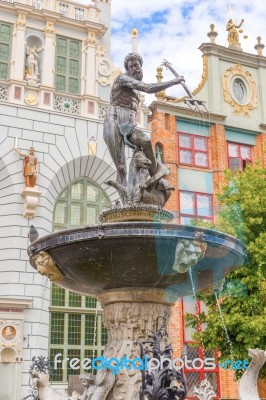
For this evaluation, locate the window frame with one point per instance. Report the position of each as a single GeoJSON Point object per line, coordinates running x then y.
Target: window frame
{"type": "Point", "coordinates": [63, 301]}
{"type": "Point", "coordinates": [243, 161]}
{"type": "Point", "coordinates": [195, 216]}
{"type": "Point", "coordinates": [200, 350]}
{"type": "Point", "coordinates": [193, 150]}
{"type": "Point", "coordinates": [68, 58]}
{"type": "Point", "coordinates": [7, 62]}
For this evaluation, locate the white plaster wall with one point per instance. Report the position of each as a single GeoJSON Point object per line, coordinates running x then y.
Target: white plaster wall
{"type": "Point", "coordinates": [61, 145]}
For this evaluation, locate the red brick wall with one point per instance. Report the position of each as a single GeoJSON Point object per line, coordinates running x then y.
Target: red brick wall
{"type": "Point", "coordinates": [164, 131]}
{"type": "Point", "coordinates": [260, 148]}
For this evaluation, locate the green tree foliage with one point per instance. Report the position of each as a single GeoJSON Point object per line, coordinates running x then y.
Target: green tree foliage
{"type": "Point", "coordinates": [243, 298]}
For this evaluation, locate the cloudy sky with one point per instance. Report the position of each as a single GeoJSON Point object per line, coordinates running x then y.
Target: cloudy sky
{"type": "Point", "coordinates": [174, 29]}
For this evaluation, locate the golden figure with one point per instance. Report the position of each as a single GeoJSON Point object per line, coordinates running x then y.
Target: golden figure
{"type": "Point", "coordinates": [30, 170]}
{"type": "Point", "coordinates": [232, 28]}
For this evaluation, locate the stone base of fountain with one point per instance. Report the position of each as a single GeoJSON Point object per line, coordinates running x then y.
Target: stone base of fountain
{"type": "Point", "coordinates": [128, 315]}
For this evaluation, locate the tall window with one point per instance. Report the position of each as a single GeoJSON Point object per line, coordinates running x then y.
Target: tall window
{"type": "Point", "coordinates": [193, 150]}
{"type": "Point", "coordinates": [159, 153]}
{"type": "Point", "coordinates": [67, 65]}
{"type": "Point", "coordinates": [76, 328]}
{"type": "Point", "coordinates": [195, 375]}
{"type": "Point", "coordinates": [79, 13]}
{"type": "Point", "coordinates": [5, 49]}
{"type": "Point", "coordinates": [63, 9]}
{"type": "Point", "coordinates": [195, 206]}
{"type": "Point", "coordinates": [239, 155]}
{"type": "Point", "coordinates": [37, 4]}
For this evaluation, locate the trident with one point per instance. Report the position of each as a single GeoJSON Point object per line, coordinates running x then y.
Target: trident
{"type": "Point", "coordinates": [191, 101]}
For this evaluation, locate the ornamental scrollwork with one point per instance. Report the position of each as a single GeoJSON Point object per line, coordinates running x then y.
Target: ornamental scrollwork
{"type": "Point", "coordinates": [252, 99]}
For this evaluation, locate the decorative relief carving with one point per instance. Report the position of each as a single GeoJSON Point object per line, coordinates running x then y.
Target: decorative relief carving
{"type": "Point", "coordinates": [3, 93]}
{"type": "Point", "coordinates": [126, 323]}
{"type": "Point", "coordinates": [105, 67]}
{"type": "Point", "coordinates": [21, 21]}
{"type": "Point", "coordinates": [31, 98]}
{"type": "Point", "coordinates": [46, 266]}
{"type": "Point", "coordinates": [67, 105]}
{"type": "Point", "coordinates": [10, 341]}
{"type": "Point", "coordinates": [49, 29]}
{"type": "Point", "coordinates": [252, 100]}
{"type": "Point", "coordinates": [102, 111]}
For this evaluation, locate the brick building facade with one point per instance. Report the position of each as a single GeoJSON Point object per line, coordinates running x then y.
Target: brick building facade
{"type": "Point", "coordinates": [199, 147]}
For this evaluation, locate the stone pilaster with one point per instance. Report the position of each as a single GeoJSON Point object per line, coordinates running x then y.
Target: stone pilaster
{"type": "Point", "coordinates": [18, 54]}
{"type": "Point", "coordinates": [49, 55]}
{"type": "Point", "coordinates": [90, 72]}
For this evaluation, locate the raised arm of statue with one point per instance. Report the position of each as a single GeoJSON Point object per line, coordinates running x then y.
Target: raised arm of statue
{"type": "Point", "coordinates": [150, 88]}
{"type": "Point", "coordinates": [20, 152]}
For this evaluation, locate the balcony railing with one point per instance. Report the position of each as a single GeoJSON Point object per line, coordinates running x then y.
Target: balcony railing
{"type": "Point", "coordinates": [67, 8]}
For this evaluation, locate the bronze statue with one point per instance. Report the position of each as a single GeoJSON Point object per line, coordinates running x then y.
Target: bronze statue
{"type": "Point", "coordinates": [30, 170]}
{"type": "Point", "coordinates": [124, 102]}
{"type": "Point", "coordinates": [142, 187]}
{"type": "Point", "coordinates": [233, 37]}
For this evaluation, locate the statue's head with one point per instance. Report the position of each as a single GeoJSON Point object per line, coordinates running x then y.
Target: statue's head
{"type": "Point", "coordinates": [133, 65]}
{"type": "Point", "coordinates": [86, 379]}
{"type": "Point", "coordinates": [32, 150]}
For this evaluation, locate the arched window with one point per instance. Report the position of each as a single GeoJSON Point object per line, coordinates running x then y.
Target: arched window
{"type": "Point", "coordinates": [79, 204]}
{"type": "Point", "coordinates": [76, 328]}
{"type": "Point", "coordinates": [159, 153]}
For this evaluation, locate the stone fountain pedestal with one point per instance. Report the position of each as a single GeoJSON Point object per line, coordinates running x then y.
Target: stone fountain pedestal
{"type": "Point", "coordinates": [137, 269]}
{"type": "Point", "coordinates": [128, 315]}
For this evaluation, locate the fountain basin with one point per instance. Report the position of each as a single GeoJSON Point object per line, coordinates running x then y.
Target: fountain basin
{"type": "Point", "coordinates": [110, 256]}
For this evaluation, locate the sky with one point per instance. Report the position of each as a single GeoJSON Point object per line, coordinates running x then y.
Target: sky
{"type": "Point", "coordinates": [174, 29]}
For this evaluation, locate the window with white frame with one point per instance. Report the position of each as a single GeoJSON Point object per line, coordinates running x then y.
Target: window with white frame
{"type": "Point", "coordinates": [67, 65]}
{"type": "Point", "coordinates": [195, 206]}
{"type": "Point", "coordinates": [37, 4]}
{"type": "Point", "coordinates": [239, 155]}
{"type": "Point", "coordinates": [63, 9]}
{"type": "Point", "coordinates": [193, 150]}
{"type": "Point", "coordinates": [79, 14]}
{"type": "Point", "coordinates": [76, 326]}
{"type": "Point", "coordinates": [5, 49]}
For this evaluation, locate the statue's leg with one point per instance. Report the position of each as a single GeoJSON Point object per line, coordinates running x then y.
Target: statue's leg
{"type": "Point", "coordinates": [116, 147]}
{"type": "Point", "coordinates": [140, 139]}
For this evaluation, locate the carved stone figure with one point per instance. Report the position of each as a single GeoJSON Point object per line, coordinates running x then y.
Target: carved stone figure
{"type": "Point", "coordinates": [124, 102]}
{"type": "Point", "coordinates": [32, 61]}
{"type": "Point", "coordinates": [87, 381]}
{"type": "Point", "coordinates": [232, 28]}
{"type": "Point", "coordinates": [142, 187]}
{"type": "Point", "coordinates": [248, 388]}
{"type": "Point", "coordinates": [46, 266]}
{"type": "Point", "coordinates": [30, 170]}
{"type": "Point", "coordinates": [204, 391]}
{"type": "Point", "coordinates": [187, 254]}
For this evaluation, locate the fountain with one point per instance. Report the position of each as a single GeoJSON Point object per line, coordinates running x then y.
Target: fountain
{"type": "Point", "coordinates": [135, 261]}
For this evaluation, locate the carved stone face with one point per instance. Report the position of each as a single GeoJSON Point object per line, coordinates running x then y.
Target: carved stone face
{"type": "Point", "coordinates": [188, 253]}
{"type": "Point", "coordinates": [134, 69]}
{"type": "Point", "coordinates": [45, 266]}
